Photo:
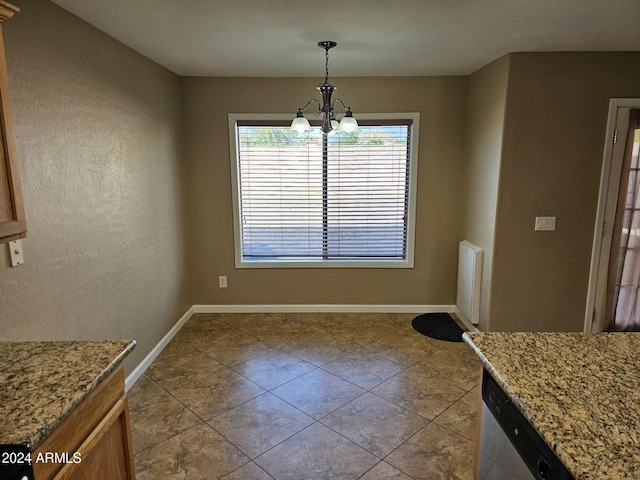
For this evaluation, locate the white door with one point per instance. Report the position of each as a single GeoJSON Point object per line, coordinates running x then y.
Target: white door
{"type": "Point", "coordinates": [618, 126]}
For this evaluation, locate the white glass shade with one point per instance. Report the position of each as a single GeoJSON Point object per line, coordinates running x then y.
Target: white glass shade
{"type": "Point", "coordinates": [349, 124]}
{"type": "Point", "coordinates": [300, 125]}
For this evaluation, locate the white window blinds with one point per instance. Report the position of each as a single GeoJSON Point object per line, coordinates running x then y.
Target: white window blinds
{"type": "Point", "coordinates": [310, 197]}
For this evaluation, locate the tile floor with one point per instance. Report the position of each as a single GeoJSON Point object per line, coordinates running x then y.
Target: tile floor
{"type": "Point", "coordinates": [306, 397]}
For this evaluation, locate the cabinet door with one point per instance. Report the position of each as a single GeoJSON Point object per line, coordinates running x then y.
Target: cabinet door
{"type": "Point", "coordinates": [106, 454]}
{"type": "Point", "coordinates": [12, 221]}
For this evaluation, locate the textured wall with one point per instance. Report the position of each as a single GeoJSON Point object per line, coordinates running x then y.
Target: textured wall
{"type": "Point", "coordinates": [481, 171]}
{"type": "Point", "coordinates": [441, 103]}
{"type": "Point", "coordinates": [98, 135]}
{"type": "Point", "coordinates": [555, 125]}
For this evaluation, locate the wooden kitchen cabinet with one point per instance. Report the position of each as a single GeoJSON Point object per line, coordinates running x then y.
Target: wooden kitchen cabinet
{"type": "Point", "coordinates": [12, 220]}
{"type": "Point", "coordinates": [95, 438]}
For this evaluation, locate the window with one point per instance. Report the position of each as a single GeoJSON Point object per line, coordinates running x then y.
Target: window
{"type": "Point", "coordinates": [308, 200]}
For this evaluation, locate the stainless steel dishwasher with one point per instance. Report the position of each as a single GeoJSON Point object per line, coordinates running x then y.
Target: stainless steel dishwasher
{"type": "Point", "coordinates": [510, 448]}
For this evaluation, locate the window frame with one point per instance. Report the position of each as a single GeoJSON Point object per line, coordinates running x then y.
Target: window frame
{"type": "Point", "coordinates": [408, 262]}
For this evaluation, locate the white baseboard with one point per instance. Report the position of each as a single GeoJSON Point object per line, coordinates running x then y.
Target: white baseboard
{"type": "Point", "coordinates": [471, 327]}
{"type": "Point", "coordinates": [142, 367]}
{"type": "Point", "coordinates": [347, 308]}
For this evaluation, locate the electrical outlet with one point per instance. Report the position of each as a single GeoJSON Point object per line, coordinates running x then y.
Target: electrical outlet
{"type": "Point", "coordinates": [222, 281]}
{"type": "Point", "coordinates": [17, 255]}
{"type": "Point", "coordinates": [545, 224]}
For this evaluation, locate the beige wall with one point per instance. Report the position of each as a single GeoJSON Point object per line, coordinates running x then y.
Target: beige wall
{"type": "Point", "coordinates": [555, 121]}
{"type": "Point", "coordinates": [98, 136]}
{"type": "Point", "coordinates": [481, 172]}
{"type": "Point", "coordinates": [441, 102]}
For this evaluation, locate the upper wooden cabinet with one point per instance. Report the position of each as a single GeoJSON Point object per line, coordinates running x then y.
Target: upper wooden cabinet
{"type": "Point", "coordinates": [12, 221]}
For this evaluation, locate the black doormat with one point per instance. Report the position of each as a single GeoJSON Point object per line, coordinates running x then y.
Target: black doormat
{"type": "Point", "coordinates": [438, 325]}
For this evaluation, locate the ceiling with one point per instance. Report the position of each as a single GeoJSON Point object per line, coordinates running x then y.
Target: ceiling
{"type": "Point", "coordinates": [277, 38]}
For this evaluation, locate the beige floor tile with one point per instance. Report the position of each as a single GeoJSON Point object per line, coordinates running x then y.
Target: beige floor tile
{"type": "Point", "coordinates": [232, 347]}
{"type": "Point", "coordinates": [214, 394]}
{"type": "Point", "coordinates": [273, 369]}
{"type": "Point", "coordinates": [375, 424]}
{"type": "Point", "coordinates": [403, 349]}
{"type": "Point", "coordinates": [309, 320]}
{"type": "Point", "coordinates": [197, 453]}
{"type": "Point", "coordinates": [384, 471]}
{"type": "Point", "coordinates": [202, 329]}
{"type": "Point", "coordinates": [316, 453]}
{"type": "Point", "coordinates": [459, 369]}
{"type": "Point", "coordinates": [461, 417]}
{"type": "Point", "coordinates": [193, 369]}
{"type": "Point", "coordinates": [419, 393]}
{"type": "Point", "coordinates": [401, 322]}
{"type": "Point", "coordinates": [156, 415]}
{"type": "Point", "coordinates": [205, 323]}
{"type": "Point", "coordinates": [318, 393]}
{"type": "Point", "coordinates": [275, 329]}
{"type": "Point", "coordinates": [255, 322]}
{"type": "Point", "coordinates": [279, 336]}
{"type": "Point", "coordinates": [363, 368]}
{"type": "Point", "coordinates": [259, 424]}
{"type": "Point", "coordinates": [435, 453]}
{"type": "Point", "coordinates": [320, 348]}
{"type": "Point", "coordinates": [220, 366]}
{"type": "Point", "coordinates": [249, 471]}
{"type": "Point", "coordinates": [357, 327]}
{"type": "Point", "coordinates": [174, 354]}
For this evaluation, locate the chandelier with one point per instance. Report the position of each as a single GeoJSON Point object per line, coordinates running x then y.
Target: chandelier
{"type": "Point", "coordinates": [330, 124]}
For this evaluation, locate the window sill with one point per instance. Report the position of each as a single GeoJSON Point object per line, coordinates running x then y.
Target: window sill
{"type": "Point", "coordinates": [279, 263]}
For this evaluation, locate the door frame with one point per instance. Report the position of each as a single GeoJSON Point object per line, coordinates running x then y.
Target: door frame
{"type": "Point", "coordinates": [605, 215]}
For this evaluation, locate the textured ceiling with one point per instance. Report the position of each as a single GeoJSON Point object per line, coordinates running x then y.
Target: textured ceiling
{"type": "Point", "coordinates": [375, 37]}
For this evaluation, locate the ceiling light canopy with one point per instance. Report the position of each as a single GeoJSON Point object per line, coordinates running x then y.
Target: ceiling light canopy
{"type": "Point", "coordinates": [330, 123]}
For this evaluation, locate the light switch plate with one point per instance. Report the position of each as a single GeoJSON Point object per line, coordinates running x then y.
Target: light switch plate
{"type": "Point", "coordinates": [17, 255]}
{"type": "Point", "coordinates": [545, 224]}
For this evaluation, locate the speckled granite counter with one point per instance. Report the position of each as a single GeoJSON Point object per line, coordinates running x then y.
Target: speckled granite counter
{"type": "Point", "coordinates": [580, 391]}
{"type": "Point", "coordinates": [42, 382]}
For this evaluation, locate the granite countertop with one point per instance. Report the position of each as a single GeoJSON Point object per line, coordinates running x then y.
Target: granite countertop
{"type": "Point", "coordinates": [580, 391]}
{"type": "Point", "coordinates": [42, 382]}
